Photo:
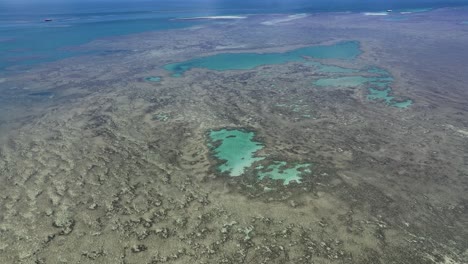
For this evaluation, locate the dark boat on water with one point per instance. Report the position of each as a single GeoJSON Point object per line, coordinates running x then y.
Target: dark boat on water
{"type": "Point", "coordinates": [48, 20]}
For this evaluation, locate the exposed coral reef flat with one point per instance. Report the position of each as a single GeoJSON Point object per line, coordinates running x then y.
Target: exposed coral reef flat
{"type": "Point", "coordinates": [320, 138]}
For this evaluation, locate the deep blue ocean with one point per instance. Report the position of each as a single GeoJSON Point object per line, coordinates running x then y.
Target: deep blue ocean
{"type": "Point", "coordinates": [26, 39]}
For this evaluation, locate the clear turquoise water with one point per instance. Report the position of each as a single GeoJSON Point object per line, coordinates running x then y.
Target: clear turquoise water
{"type": "Point", "coordinates": [281, 170]}
{"type": "Point", "coordinates": [375, 94]}
{"type": "Point", "coordinates": [245, 61]}
{"type": "Point", "coordinates": [380, 86]}
{"type": "Point", "coordinates": [236, 148]}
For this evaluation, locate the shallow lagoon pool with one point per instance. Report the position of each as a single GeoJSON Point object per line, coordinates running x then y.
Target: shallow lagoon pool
{"type": "Point", "coordinates": [245, 61]}
{"type": "Point", "coordinates": [280, 170]}
{"type": "Point", "coordinates": [236, 148]}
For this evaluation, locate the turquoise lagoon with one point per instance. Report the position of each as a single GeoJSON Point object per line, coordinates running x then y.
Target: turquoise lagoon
{"type": "Point", "coordinates": [153, 79]}
{"type": "Point", "coordinates": [245, 61]}
{"type": "Point", "coordinates": [236, 148]}
{"type": "Point", "coordinates": [379, 86]}
{"type": "Point", "coordinates": [375, 94]}
{"type": "Point", "coordinates": [280, 170]}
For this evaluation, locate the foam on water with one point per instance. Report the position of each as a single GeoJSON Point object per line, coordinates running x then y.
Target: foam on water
{"type": "Point", "coordinates": [375, 14]}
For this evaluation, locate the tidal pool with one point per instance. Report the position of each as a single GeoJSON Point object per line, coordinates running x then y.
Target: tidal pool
{"type": "Point", "coordinates": [280, 170]}
{"type": "Point", "coordinates": [153, 79]}
{"type": "Point", "coordinates": [245, 61]}
{"type": "Point", "coordinates": [380, 90]}
{"type": "Point", "coordinates": [375, 94]}
{"type": "Point", "coordinates": [236, 148]}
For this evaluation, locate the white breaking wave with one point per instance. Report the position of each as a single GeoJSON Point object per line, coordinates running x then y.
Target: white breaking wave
{"type": "Point", "coordinates": [285, 19]}
{"type": "Point", "coordinates": [376, 14]}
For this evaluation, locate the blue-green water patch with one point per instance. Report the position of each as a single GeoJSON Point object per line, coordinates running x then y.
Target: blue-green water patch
{"type": "Point", "coordinates": [465, 22]}
{"type": "Point", "coordinates": [376, 94]}
{"type": "Point", "coordinates": [245, 61]}
{"type": "Point", "coordinates": [236, 148]}
{"type": "Point", "coordinates": [281, 170]}
{"type": "Point", "coordinates": [153, 79]}
{"type": "Point", "coordinates": [380, 81]}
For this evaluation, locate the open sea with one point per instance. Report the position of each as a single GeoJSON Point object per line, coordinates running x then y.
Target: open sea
{"type": "Point", "coordinates": [26, 39]}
